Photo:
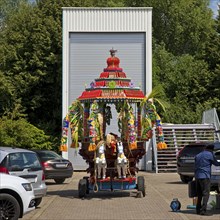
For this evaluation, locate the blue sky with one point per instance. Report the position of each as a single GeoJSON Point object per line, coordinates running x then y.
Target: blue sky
{"type": "Point", "coordinates": [214, 6]}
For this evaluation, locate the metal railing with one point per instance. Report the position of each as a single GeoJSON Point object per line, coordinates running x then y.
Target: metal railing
{"type": "Point", "coordinates": [211, 117]}
{"type": "Point", "coordinates": [176, 136]}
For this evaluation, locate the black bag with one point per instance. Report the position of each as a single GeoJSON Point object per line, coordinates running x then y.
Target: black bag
{"type": "Point", "coordinates": [192, 192]}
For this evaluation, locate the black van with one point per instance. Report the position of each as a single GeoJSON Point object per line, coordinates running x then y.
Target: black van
{"type": "Point", "coordinates": [186, 161]}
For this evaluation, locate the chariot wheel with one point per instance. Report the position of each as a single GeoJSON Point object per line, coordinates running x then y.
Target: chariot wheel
{"type": "Point", "coordinates": [82, 188]}
{"type": "Point", "coordinates": [140, 185]}
{"type": "Point", "coordinates": [87, 184]}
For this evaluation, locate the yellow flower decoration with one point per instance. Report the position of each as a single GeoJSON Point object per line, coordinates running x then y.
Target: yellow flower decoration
{"type": "Point", "coordinates": [131, 121]}
{"type": "Point", "coordinates": [93, 123]}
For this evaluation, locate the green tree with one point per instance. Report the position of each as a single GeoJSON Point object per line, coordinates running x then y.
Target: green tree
{"type": "Point", "coordinates": [185, 81]}
{"type": "Point", "coordinates": [184, 26]}
{"type": "Point", "coordinates": [20, 133]}
{"type": "Point", "coordinates": [212, 57]}
{"type": "Point", "coordinates": [31, 47]}
{"type": "Point", "coordinates": [8, 7]}
{"type": "Point", "coordinates": [5, 94]}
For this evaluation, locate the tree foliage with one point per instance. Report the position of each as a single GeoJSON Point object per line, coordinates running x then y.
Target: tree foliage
{"type": "Point", "coordinates": [187, 89]}
{"type": "Point", "coordinates": [32, 59]}
{"type": "Point", "coordinates": [7, 8]}
{"type": "Point", "coordinates": [22, 134]}
{"type": "Point", "coordinates": [184, 26]}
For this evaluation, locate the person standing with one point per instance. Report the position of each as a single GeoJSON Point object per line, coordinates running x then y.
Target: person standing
{"type": "Point", "coordinates": [203, 163]}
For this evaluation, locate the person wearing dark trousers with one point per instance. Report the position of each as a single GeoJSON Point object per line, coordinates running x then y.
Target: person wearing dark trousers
{"type": "Point", "coordinates": [203, 163]}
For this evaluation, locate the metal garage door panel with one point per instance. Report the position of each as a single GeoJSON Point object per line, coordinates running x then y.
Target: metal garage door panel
{"type": "Point", "coordinates": [88, 54]}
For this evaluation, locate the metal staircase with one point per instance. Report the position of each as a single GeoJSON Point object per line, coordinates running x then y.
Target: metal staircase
{"type": "Point", "coordinates": [176, 136]}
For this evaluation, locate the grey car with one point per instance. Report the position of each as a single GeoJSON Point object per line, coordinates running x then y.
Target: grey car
{"type": "Point", "coordinates": [55, 166]}
{"type": "Point", "coordinates": [26, 164]}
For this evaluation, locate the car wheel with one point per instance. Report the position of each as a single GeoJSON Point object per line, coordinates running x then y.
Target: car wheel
{"type": "Point", "coordinates": [82, 188]}
{"type": "Point", "coordinates": [9, 207]}
{"type": "Point", "coordinates": [59, 181]}
{"type": "Point", "coordinates": [37, 202]}
{"type": "Point", "coordinates": [140, 185]}
{"type": "Point", "coordinates": [186, 179]}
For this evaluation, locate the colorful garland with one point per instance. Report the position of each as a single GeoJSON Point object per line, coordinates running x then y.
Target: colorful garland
{"type": "Point", "coordinates": [94, 134]}
{"type": "Point", "coordinates": [63, 146]}
{"type": "Point", "coordinates": [126, 124]}
{"type": "Point", "coordinates": [132, 135]}
{"type": "Point", "coordinates": [152, 118]}
{"type": "Point", "coordinates": [161, 144]}
{"type": "Point", "coordinates": [73, 120]}
{"type": "Point", "coordinates": [147, 132]}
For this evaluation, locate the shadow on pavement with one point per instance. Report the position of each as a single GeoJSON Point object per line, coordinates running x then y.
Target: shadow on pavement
{"type": "Point", "coordinates": [53, 183]}
{"type": "Point", "coordinates": [92, 195]}
{"type": "Point", "coordinates": [176, 182]}
{"type": "Point", "coordinates": [188, 211]}
{"type": "Point", "coordinates": [193, 212]}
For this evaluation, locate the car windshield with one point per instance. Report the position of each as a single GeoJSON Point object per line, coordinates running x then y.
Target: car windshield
{"type": "Point", "coordinates": [23, 160]}
{"type": "Point", "coordinates": [191, 150]}
{"type": "Point", "coordinates": [48, 155]}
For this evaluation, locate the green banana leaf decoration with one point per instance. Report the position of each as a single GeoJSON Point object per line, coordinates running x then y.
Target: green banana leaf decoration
{"type": "Point", "coordinates": [126, 124]}
{"type": "Point", "coordinates": [75, 117]}
{"type": "Point", "coordinates": [73, 120]}
{"type": "Point", "coordinates": [94, 126]}
{"type": "Point", "coordinates": [147, 131]}
{"type": "Point", "coordinates": [152, 118]}
{"type": "Point", "coordinates": [123, 110]}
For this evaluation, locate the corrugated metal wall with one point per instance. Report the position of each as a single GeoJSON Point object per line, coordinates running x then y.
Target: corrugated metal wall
{"type": "Point", "coordinates": [88, 54]}
{"type": "Point", "coordinates": [108, 19]}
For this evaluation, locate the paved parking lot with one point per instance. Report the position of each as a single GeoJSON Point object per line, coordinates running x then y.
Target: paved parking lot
{"type": "Point", "coordinates": [62, 201]}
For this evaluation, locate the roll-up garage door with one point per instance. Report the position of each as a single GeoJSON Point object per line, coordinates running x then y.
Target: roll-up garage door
{"type": "Point", "coordinates": [87, 59]}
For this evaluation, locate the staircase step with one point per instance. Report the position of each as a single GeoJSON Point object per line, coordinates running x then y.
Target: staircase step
{"type": "Point", "coordinates": [166, 159]}
{"type": "Point", "coordinates": [167, 170]}
{"type": "Point", "coordinates": [167, 166]}
{"type": "Point", "coordinates": [166, 154]}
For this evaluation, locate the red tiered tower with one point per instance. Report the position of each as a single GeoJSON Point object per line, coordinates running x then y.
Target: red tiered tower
{"type": "Point", "coordinates": [112, 85]}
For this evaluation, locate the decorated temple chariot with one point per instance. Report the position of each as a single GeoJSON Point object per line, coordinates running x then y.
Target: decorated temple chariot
{"type": "Point", "coordinates": [112, 159]}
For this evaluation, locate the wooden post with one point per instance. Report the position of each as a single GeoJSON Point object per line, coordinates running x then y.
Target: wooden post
{"type": "Point", "coordinates": [104, 120]}
{"type": "Point", "coordinates": [139, 127]}
{"type": "Point", "coordinates": [85, 121]}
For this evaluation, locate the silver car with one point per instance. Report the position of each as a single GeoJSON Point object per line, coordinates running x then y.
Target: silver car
{"type": "Point", "coordinates": [25, 164]}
